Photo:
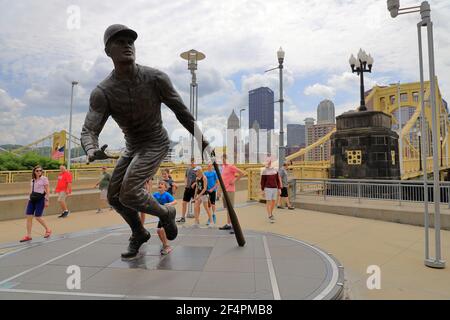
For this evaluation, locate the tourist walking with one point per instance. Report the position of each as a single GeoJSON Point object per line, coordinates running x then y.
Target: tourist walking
{"type": "Point", "coordinates": [38, 201]}
{"type": "Point", "coordinates": [102, 185]}
{"type": "Point", "coordinates": [63, 189]}
{"type": "Point", "coordinates": [230, 175]}
{"type": "Point", "coordinates": [284, 195]}
{"type": "Point", "coordinates": [271, 187]}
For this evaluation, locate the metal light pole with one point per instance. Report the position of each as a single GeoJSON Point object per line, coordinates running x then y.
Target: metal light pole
{"type": "Point", "coordinates": [69, 155]}
{"type": "Point", "coordinates": [425, 12]}
{"type": "Point", "coordinates": [280, 55]}
{"type": "Point", "coordinates": [193, 56]}
{"type": "Point", "coordinates": [400, 143]}
{"type": "Point", "coordinates": [282, 156]}
{"type": "Point", "coordinates": [442, 153]}
{"type": "Point", "coordinates": [359, 66]}
{"type": "Point", "coordinates": [419, 135]}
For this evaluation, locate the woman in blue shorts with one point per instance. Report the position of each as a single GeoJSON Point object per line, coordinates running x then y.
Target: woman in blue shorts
{"type": "Point", "coordinates": [39, 200]}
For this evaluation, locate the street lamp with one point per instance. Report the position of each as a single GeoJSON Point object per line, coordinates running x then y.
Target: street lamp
{"type": "Point", "coordinates": [240, 117]}
{"type": "Point", "coordinates": [280, 56]}
{"type": "Point", "coordinates": [193, 56]}
{"type": "Point", "coordinates": [442, 153]}
{"type": "Point", "coordinates": [363, 63]}
{"type": "Point", "coordinates": [419, 135]}
{"type": "Point", "coordinates": [425, 13]}
{"type": "Point", "coordinates": [69, 155]}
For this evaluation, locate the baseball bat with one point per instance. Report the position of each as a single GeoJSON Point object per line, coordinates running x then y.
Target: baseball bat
{"type": "Point", "coordinates": [233, 216]}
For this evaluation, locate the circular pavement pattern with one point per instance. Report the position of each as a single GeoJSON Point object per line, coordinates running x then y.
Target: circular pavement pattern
{"type": "Point", "coordinates": [205, 264]}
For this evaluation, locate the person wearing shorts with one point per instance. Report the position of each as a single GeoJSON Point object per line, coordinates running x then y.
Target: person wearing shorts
{"type": "Point", "coordinates": [201, 196]}
{"type": "Point", "coordinates": [164, 198]}
{"type": "Point", "coordinates": [189, 181]}
{"type": "Point", "coordinates": [230, 175]}
{"type": "Point", "coordinates": [213, 185]}
{"type": "Point", "coordinates": [63, 189]}
{"type": "Point", "coordinates": [271, 188]}
{"type": "Point", "coordinates": [103, 184]}
{"type": "Point", "coordinates": [284, 196]}
{"type": "Point", "coordinates": [39, 200]}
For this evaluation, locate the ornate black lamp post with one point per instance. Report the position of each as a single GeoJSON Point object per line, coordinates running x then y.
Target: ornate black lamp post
{"type": "Point", "coordinates": [359, 65]}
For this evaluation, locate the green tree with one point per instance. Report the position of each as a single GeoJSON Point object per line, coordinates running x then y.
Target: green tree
{"type": "Point", "coordinates": [11, 162]}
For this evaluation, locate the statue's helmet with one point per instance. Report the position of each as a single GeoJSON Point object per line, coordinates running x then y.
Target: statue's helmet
{"type": "Point", "coordinates": [115, 29]}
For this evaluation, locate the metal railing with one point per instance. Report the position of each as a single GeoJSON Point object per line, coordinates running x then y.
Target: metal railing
{"type": "Point", "coordinates": [388, 190]}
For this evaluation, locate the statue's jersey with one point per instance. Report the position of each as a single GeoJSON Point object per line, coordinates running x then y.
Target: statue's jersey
{"type": "Point", "coordinates": [136, 107]}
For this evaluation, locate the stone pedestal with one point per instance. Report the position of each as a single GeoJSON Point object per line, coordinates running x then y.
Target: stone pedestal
{"type": "Point", "coordinates": [364, 147]}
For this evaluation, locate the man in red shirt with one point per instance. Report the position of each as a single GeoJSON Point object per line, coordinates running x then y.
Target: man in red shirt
{"type": "Point", "coordinates": [63, 189]}
{"type": "Point", "coordinates": [229, 172]}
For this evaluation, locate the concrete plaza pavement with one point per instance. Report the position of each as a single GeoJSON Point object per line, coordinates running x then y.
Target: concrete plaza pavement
{"type": "Point", "coordinates": [357, 243]}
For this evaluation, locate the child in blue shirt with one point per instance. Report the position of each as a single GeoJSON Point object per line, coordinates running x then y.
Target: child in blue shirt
{"type": "Point", "coordinates": [213, 185]}
{"type": "Point", "coordinates": [164, 198]}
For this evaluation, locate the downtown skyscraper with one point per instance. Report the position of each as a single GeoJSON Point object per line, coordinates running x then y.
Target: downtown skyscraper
{"type": "Point", "coordinates": [261, 108]}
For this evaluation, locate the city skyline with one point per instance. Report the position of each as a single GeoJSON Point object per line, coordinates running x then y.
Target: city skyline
{"type": "Point", "coordinates": [41, 59]}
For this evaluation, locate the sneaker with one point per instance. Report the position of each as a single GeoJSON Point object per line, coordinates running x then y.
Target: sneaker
{"type": "Point", "coordinates": [25, 239]}
{"type": "Point", "coordinates": [231, 231]}
{"type": "Point", "coordinates": [291, 208]}
{"type": "Point", "coordinates": [214, 218]}
{"type": "Point", "coordinates": [99, 211]}
{"type": "Point", "coordinates": [226, 227]}
{"type": "Point", "coordinates": [64, 214]}
{"type": "Point", "coordinates": [280, 207]}
{"type": "Point", "coordinates": [135, 243]}
{"type": "Point", "coordinates": [272, 217]}
{"type": "Point", "coordinates": [47, 234]}
{"type": "Point", "coordinates": [169, 224]}
{"type": "Point", "coordinates": [165, 251]}
{"type": "Point", "coordinates": [208, 223]}
{"type": "Point", "coordinates": [181, 220]}
{"type": "Point", "coordinates": [190, 215]}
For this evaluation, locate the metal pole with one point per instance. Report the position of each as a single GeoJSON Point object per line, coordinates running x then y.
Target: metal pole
{"type": "Point", "coordinates": [420, 153]}
{"type": "Point", "coordinates": [424, 153]}
{"type": "Point", "coordinates": [281, 147]}
{"type": "Point", "coordinates": [69, 155]}
{"type": "Point", "coordinates": [400, 129]}
{"type": "Point", "coordinates": [363, 102]}
{"type": "Point", "coordinates": [438, 263]}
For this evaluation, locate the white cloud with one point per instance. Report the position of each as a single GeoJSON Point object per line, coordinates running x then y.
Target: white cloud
{"type": "Point", "coordinates": [320, 90]}
{"type": "Point", "coordinates": [40, 56]}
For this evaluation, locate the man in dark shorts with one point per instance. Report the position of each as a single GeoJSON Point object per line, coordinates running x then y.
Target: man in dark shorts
{"type": "Point", "coordinates": [132, 95]}
{"type": "Point", "coordinates": [189, 180]}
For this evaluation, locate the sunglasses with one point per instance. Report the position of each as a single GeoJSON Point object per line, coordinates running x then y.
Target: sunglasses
{"type": "Point", "coordinates": [38, 170]}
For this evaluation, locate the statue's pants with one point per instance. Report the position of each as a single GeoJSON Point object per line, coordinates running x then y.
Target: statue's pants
{"type": "Point", "coordinates": [126, 190]}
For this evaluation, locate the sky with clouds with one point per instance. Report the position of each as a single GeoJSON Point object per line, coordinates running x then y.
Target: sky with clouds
{"type": "Point", "coordinates": [43, 49]}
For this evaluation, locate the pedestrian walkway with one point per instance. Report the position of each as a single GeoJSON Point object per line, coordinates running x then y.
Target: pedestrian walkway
{"type": "Point", "coordinates": [357, 243]}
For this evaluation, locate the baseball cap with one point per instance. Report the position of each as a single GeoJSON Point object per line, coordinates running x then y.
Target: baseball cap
{"type": "Point", "coordinates": [115, 29]}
